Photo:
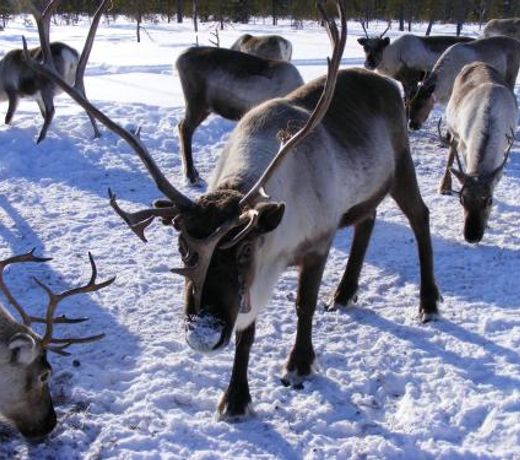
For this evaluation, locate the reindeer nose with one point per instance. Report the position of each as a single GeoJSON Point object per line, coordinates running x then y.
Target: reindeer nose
{"type": "Point", "coordinates": [414, 125]}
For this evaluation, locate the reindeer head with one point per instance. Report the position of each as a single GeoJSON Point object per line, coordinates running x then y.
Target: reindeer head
{"type": "Point", "coordinates": [422, 103]}
{"type": "Point", "coordinates": [374, 47]}
{"type": "Point", "coordinates": [476, 197]}
{"type": "Point", "coordinates": [25, 398]}
{"type": "Point", "coordinates": [220, 233]}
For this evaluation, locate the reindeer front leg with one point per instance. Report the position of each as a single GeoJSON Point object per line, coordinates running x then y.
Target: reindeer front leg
{"type": "Point", "coordinates": [236, 401]}
{"type": "Point", "coordinates": [445, 183]}
{"type": "Point", "coordinates": [13, 104]}
{"type": "Point", "coordinates": [302, 357]}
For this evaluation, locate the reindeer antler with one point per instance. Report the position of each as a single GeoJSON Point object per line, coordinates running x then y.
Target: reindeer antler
{"type": "Point", "coordinates": [23, 258]}
{"type": "Point", "coordinates": [338, 43]}
{"type": "Point", "coordinates": [48, 342]}
{"type": "Point", "coordinates": [387, 29]}
{"type": "Point", "coordinates": [59, 345]}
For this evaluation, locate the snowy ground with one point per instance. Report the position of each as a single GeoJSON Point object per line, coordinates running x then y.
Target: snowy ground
{"type": "Point", "coordinates": [388, 387]}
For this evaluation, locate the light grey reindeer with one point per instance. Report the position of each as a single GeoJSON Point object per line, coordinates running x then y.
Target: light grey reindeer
{"type": "Point", "coordinates": [408, 59]}
{"type": "Point", "coordinates": [264, 46]}
{"type": "Point", "coordinates": [502, 53]}
{"type": "Point", "coordinates": [509, 27]}
{"type": "Point", "coordinates": [25, 373]}
{"type": "Point", "coordinates": [235, 241]}
{"type": "Point", "coordinates": [228, 83]}
{"type": "Point", "coordinates": [17, 80]}
{"type": "Point", "coordinates": [482, 116]}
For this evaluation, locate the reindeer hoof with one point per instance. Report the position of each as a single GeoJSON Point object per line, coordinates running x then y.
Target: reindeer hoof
{"type": "Point", "coordinates": [195, 181]}
{"type": "Point", "coordinates": [427, 317]}
{"type": "Point", "coordinates": [333, 304]}
{"type": "Point", "coordinates": [233, 412]}
{"type": "Point", "coordinates": [294, 378]}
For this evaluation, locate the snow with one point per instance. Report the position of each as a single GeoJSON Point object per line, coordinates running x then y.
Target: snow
{"type": "Point", "coordinates": [387, 386]}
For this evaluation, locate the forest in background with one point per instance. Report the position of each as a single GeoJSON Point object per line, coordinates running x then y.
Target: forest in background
{"type": "Point", "coordinates": [405, 12]}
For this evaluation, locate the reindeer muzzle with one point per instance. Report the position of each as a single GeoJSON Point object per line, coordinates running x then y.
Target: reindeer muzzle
{"type": "Point", "coordinates": [205, 332]}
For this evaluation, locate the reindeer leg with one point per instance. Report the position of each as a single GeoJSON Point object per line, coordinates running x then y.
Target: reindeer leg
{"type": "Point", "coordinates": [408, 197]}
{"type": "Point", "coordinates": [346, 292]}
{"type": "Point", "coordinates": [445, 183]}
{"type": "Point", "coordinates": [301, 359]}
{"type": "Point", "coordinates": [192, 119]}
{"type": "Point", "coordinates": [13, 104]}
{"type": "Point", "coordinates": [236, 401]}
{"type": "Point", "coordinates": [47, 109]}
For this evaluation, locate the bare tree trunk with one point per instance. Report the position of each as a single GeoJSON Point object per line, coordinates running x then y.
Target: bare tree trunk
{"type": "Point", "coordinates": [401, 17]}
{"type": "Point", "coordinates": [460, 13]}
{"type": "Point", "coordinates": [431, 19]}
{"type": "Point", "coordinates": [275, 18]}
{"type": "Point", "coordinates": [138, 29]}
{"type": "Point", "coordinates": [179, 11]}
{"type": "Point", "coordinates": [195, 20]}
{"type": "Point", "coordinates": [221, 13]}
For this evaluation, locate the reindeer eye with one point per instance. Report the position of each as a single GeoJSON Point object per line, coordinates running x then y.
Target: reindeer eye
{"type": "Point", "coordinates": [45, 376]}
{"type": "Point", "coordinates": [245, 252]}
{"type": "Point", "coordinates": [489, 201]}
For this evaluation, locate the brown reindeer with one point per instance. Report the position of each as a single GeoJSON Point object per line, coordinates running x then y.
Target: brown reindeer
{"type": "Point", "coordinates": [25, 373]}
{"type": "Point", "coordinates": [17, 80]}
{"type": "Point", "coordinates": [228, 83]}
{"type": "Point", "coordinates": [235, 240]}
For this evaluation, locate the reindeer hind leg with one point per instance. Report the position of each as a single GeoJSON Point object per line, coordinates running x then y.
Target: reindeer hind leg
{"type": "Point", "coordinates": [408, 197]}
{"type": "Point", "coordinates": [195, 115]}
{"type": "Point", "coordinates": [46, 104]}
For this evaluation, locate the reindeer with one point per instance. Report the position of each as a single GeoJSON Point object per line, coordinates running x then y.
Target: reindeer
{"type": "Point", "coordinates": [265, 46]}
{"type": "Point", "coordinates": [408, 59]}
{"type": "Point", "coordinates": [482, 116]}
{"type": "Point", "coordinates": [508, 27]}
{"type": "Point", "coordinates": [25, 373]}
{"type": "Point", "coordinates": [502, 53]}
{"type": "Point", "coordinates": [351, 151]}
{"type": "Point", "coordinates": [17, 80]}
{"type": "Point", "coordinates": [228, 83]}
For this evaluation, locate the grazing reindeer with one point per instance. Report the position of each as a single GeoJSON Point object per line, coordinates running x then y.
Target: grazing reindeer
{"type": "Point", "coordinates": [502, 53]}
{"type": "Point", "coordinates": [408, 59]}
{"type": "Point", "coordinates": [508, 27]}
{"type": "Point", "coordinates": [265, 46]}
{"type": "Point", "coordinates": [25, 373]}
{"type": "Point", "coordinates": [17, 80]}
{"type": "Point", "coordinates": [482, 116]}
{"type": "Point", "coordinates": [235, 241]}
{"type": "Point", "coordinates": [228, 83]}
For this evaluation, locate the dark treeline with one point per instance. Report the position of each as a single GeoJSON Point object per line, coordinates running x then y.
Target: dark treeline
{"type": "Point", "coordinates": [406, 12]}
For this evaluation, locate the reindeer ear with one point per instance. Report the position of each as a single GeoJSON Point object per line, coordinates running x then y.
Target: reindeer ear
{"type": "Point", "coordinates": [270, 216]}
{"type": "Point", "coordinates": [362, 41]}
{"type": "Point", "coordinates": [23, 348]}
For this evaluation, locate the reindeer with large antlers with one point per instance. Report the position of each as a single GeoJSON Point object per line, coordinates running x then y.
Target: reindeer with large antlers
{"type": "Point", "coordinates": [408, 59]}
{"type": "Point", "coordinates": [270, 207]}
{"type": "Point", "coordinates": [482, 117]}
{"type": "Point", "coordinates": [17, 80]}
{"type": "Point", "coordinates": [24, 370]}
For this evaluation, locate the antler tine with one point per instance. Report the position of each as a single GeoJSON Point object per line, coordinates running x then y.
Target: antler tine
{"type": "Point", "coordinates": [162, 183]}
{"type": "Point", "coordinates": [55, 299]}
{"type": "Point", "coordinates": [43, 20]}
{"type": "Point", "coordinates": [140, 220]}
{"type": "Point", "coordinates": [364, 29]}
{"type": "Point", "coordinates": [28, 257]}
{"type": "Point", "coordinates": [85, 54]}
{"type": "Point", "coordinates": [338, 44]}
{"type": "Point", "coordinates": [387, 29]}
{"type": "Point", "coordinates": [251, 217]}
